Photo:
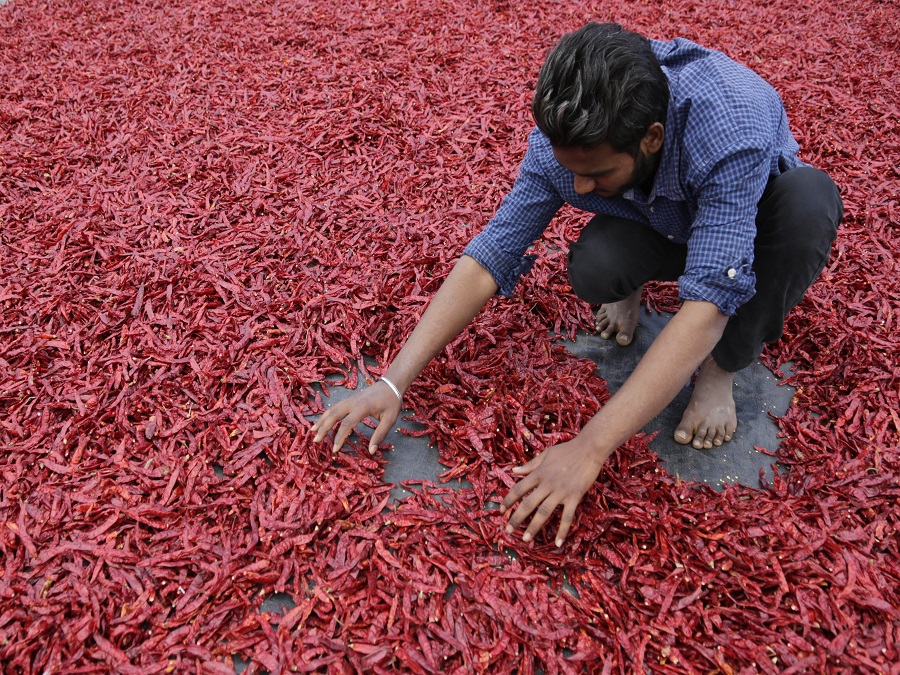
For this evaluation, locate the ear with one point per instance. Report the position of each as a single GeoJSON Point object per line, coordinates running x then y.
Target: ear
{"type": "Point", "coordinates": [652, 141]}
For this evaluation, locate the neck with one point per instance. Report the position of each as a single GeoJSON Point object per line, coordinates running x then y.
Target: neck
{"type": "Point", "coordinates": [646, 183]}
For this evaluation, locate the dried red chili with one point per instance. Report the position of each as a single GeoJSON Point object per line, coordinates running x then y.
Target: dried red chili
{"type": "Point", "coordinates": [207, 211]}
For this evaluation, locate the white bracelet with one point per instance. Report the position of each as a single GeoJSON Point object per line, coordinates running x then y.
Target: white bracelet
{"type": "Point", "coordinates": [393, 387]}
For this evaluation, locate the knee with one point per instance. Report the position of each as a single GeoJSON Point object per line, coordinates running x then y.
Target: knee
{"type": "Point", "coordinates": [594, 279]}
{"type": "Point", "coordinates": [808, 200]}
{"type": "Point", "coordinates": [612, 258]}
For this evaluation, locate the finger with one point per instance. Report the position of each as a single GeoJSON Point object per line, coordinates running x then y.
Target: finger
{"type": "Point", "coordinates": [326, 421]}
{"type": "Point", "coordinates": [346, 428]}
{"type": "Point", "coordinates": [530, 466]}
{"type": "Point", "coordinates": [526, 508]}
{"type": "Point", "coordinates": [519, 490]}
{"type": "Point", "coordinates": [381, 432]}
{"type": "Point", "coordinates": [543, 513]}
{"type": "Point", "coordinates": [322, 428]}
{"type": "Point", "coordinates": [317, 424]}
{"type": "Point", "coordinates": [568, 515]}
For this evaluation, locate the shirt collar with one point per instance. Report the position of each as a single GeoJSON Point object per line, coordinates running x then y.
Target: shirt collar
{"type": "Point", "coordinates": [665, 183]}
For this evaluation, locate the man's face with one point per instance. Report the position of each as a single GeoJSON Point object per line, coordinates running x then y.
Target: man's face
{"type": "Point", "coordinates": [603, 171]}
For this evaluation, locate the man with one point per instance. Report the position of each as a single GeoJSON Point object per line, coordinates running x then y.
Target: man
{"type": "Point", "coordinates": [687, 160]}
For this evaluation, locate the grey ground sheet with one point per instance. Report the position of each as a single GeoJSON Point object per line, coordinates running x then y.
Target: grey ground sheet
{"type": "Point", "coordinates": [758, 395]}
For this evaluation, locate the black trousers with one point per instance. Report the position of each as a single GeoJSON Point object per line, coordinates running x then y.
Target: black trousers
{"type": "Point", "coordinates": [796, 224]}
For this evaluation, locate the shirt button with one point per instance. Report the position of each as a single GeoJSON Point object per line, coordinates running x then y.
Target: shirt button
{"type": "Point", "coordinates": [732, 273]}
{"type": "Point", "coordinates": [671, 237]}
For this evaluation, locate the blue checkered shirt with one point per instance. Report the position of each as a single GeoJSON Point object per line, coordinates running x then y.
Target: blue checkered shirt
{"type": "Point", "coordinates": [726, 135]}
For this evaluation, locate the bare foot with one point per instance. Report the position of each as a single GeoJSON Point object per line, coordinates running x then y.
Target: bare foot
{"type": "Point", "coordinates": [620, 318]}
{"type": "Point", "coordinates": [710, 418]}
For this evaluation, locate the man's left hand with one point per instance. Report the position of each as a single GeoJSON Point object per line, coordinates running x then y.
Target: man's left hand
{"type": "Point", "coordinates": [562, 474]}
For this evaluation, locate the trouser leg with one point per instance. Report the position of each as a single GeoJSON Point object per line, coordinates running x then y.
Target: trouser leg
{"type": "Point", "coordinates": [614, 257]}
{"type": "Point", "coordinates": [796, 223]}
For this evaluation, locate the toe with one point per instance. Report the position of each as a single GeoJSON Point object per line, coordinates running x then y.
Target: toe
{"type": "Point", "coordinates": [700, 438]}
{"type": "Point", "coordinates": [729, 431]}
{"type": "Point", "coordinates": [682, 435]}
{"type": "Point", "coordinates": [623, 339]}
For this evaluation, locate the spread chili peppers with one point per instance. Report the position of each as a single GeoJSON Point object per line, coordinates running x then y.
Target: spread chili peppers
{"type": "Point", "coordinates": [207, 209]}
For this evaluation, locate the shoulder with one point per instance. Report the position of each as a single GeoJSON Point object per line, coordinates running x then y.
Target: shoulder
{"type": "Point", "coordinates": [717, 105]}
{"type": "Point", "coordinates": [703, 80]}
{"type": "Point", "coordinates": [691, 68]}
{"type": "Point", "coordinates": [540, 158]}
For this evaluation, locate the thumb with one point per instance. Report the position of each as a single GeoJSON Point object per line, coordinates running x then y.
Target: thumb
{"type": "Point", "coordinates": [530, 466]}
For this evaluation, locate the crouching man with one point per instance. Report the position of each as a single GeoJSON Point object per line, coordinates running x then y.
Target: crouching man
{"type": "Point", "coordinates": [686, 159]}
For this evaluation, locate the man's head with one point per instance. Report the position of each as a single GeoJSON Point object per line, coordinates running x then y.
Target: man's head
{"type": "Point", "coordinates": [600, 84]}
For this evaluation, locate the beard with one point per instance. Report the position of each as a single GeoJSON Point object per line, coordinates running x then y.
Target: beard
{"type": "Point", "coordinates": [644, 173]}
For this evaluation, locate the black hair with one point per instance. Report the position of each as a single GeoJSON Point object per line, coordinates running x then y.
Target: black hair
{"type": "Point", "coordinates": [601, 83]}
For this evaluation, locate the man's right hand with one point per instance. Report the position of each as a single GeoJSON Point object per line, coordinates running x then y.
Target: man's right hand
{"type": "Point", "coordinates": [377, 401]}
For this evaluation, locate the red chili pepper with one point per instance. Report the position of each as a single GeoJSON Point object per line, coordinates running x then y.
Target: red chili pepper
{"type": "Point", "coordinates": [195, 238]}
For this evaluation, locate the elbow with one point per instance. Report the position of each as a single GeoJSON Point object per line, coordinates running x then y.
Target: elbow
{"type": "Point", "coordinates": [707, 319]}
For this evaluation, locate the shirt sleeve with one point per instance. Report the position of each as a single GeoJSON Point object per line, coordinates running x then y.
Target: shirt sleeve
{"type": "Point", "coordinates": [719, 266]}
{"type": "Point", "coordinates": [522, 217]}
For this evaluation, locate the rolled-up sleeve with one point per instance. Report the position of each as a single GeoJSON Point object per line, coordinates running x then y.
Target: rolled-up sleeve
{"type": "Point", "coordinates": [522, 217]}
{"type": "Point", "coordinates": [719, 266]}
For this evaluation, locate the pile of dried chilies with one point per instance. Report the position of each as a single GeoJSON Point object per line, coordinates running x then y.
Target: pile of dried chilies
{"type": "Point", "coordinates": [208, 207]}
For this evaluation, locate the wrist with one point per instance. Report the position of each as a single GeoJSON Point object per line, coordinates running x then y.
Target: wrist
{"type": "Point", "coordinates": [393, 387]}
{"type": "Point", "coordinates": [593, 448]}
{"type": "Point", "coordinates": [399, 376]}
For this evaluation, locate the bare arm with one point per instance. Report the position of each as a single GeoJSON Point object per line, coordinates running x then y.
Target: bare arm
{"type": "Point", "coordinates": [462, 295]}
{"type": "Point", "coordinates": [672, 358]}
{"type": "Point", "coordinates": [563, 473]}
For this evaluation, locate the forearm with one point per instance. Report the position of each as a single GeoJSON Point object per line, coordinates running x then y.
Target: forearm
{"type": "Point", "coordinates": [676, 353]}
{"type": "Point", "coordinates": [462, 295]}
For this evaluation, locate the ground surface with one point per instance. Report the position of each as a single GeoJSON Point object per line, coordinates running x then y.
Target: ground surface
{"type": "Point", "coordinates": [209, 208]}
{"type": "Point", "coordinates": [748, 459]}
